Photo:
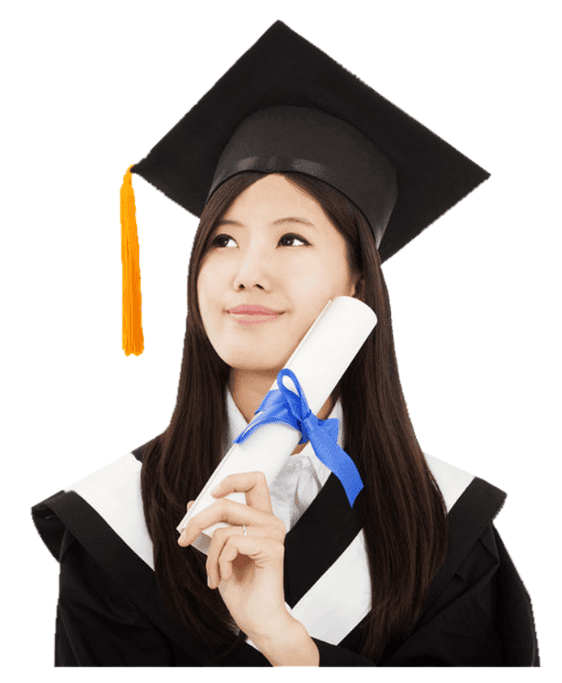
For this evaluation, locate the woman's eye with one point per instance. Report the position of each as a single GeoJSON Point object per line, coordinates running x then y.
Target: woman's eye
{"type": "Point", "coordinates": [289, 241]}
{"type": "Point", "coordinates": [223, 241]}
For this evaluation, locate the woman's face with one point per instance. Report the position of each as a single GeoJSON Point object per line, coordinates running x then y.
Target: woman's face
{"type": "Point", "coordinates": [274, 248]}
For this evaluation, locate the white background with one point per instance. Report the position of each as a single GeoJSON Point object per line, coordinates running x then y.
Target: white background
{"type": "Point", "coordinates": [88, 89]}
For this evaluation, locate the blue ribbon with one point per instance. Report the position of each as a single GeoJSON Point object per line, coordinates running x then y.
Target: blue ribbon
{"type": "Point", "coordinates": [283, 405]}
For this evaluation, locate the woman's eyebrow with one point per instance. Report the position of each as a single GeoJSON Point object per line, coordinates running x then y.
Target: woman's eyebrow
{"type": "Point", "coordinates": [279, 221]}
{"type": "Point", "coordinates": [293, 219]}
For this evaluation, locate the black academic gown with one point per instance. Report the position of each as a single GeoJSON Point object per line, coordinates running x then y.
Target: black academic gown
{"type": "Point", "coordinates": [478, 612]}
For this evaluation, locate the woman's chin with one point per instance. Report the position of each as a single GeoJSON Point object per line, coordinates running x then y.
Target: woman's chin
{"type": "Point", "coordinates": [265, 364]}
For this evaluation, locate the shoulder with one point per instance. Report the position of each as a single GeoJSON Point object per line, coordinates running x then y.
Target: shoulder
{"type": "Point", "coordinates": [96, 529]}
{"type": "Point", "coordinates": [105, 504]}
{"type": "Point", "coordinates": [465, 491]}
{"type": "Point", "coordinates": [472, 504]}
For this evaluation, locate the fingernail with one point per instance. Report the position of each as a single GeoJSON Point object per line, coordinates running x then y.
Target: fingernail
{"type": "Point", "coordinates": [215, 490]}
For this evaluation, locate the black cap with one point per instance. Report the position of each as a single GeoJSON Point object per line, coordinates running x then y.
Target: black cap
{"type": "Point", "coordinates": [287, 106]}
{"type": "Point", "coordinates": [282, 70]}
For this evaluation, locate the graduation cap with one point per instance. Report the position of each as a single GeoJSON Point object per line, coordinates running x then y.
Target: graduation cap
{"type": "Point", "coordinates": [287, 106]}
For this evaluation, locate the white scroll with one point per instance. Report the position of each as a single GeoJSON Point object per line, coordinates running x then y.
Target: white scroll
{"type": "Point", "coordinates": [319, 362]}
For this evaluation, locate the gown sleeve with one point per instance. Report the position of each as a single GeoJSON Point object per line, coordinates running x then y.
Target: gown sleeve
{"type": "Point", "coordinates": [96, 624]}
{"type": "Point", "coordinates": [482, 617]}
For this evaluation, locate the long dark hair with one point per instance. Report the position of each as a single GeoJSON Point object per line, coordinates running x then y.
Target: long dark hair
{"type": "Point", "coordinates": [401, 509]}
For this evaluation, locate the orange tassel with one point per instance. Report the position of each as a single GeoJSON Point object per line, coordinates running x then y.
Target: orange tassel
{"type": "Point", "coordinates": [133, 339]}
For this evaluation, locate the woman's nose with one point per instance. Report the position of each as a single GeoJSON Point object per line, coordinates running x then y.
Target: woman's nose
{"type": "Point", "coordinates": [254, 271]}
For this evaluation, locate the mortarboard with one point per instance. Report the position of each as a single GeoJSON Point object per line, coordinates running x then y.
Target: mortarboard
{"type": "Point", "coordinates": [287, 106]}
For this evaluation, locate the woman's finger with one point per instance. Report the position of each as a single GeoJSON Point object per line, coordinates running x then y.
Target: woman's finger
{"type": "Point", "coordinates": [220, 538]}
{"type": "Point", "coordinates": [262, 550]}
{"type": "Point", "coordinates": [253, 484]}
{"type": "Point", "coordinates": [232, 513]}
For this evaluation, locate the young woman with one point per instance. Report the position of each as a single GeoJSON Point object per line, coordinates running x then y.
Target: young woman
{"type": "Point", "coordinates": [297, 208]}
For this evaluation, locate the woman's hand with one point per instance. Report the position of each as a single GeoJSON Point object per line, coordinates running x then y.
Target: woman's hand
{"type": "Point", "coordinates": [248, 570]}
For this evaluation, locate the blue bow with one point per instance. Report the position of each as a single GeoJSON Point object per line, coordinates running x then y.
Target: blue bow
{"type": "Point", "coordinates": [283, 405]}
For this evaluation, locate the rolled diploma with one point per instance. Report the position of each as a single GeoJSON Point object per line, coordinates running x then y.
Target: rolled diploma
{"type": "Point", "coordinates": [319, 362]}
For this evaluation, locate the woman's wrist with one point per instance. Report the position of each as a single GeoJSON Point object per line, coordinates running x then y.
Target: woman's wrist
{"type": "Point", "coordinates": [290, 645]}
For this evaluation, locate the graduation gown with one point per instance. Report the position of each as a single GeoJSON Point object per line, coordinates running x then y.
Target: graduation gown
{"type": "Point", "coordinates": [478, 612]}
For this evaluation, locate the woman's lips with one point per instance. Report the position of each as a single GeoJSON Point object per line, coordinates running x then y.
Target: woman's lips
{"type": "Point", "coordinates": [254, 315]}
{"type": "Point", "coordinates": [247, 309]}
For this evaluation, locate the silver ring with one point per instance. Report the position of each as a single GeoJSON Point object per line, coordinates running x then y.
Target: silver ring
{"type": "Point", "coordinates": [244, 530]}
